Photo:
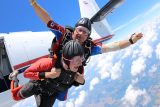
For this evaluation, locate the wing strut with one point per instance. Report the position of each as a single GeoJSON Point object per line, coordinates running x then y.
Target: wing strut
{"type": "Point", "coordinates": [105, 10]}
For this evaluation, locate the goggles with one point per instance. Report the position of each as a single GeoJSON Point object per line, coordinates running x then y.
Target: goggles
{"type": "Point", "coordinates": [74, 60]}
{"type": "Point", "coordinates": [83, 30]}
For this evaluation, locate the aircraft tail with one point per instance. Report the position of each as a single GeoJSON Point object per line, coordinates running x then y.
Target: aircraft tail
{"type": "Point", "coordinates": [89, 8]}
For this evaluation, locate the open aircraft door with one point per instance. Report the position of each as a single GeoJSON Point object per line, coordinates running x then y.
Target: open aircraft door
{"type": "Point", "coordinates": [5, 67]}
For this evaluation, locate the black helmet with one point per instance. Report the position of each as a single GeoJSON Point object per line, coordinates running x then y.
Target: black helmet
{"type": "Point", "coordinates": [85, 22]}
{"type": "Point", "coordinates": [71, 49]}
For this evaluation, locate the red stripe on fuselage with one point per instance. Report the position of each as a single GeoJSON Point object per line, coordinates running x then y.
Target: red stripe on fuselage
{"type": "Point", "coordinates": [105, 38]}
{"type": "Point", "coordinates": [28, 62]}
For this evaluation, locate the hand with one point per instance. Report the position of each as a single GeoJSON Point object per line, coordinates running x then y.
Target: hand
{"type": "Point", "coordinates": [32, 2]}
{"type": "Point", "coordinates": [54, 73]}
{"type": "Point", "coordinates": [79, 78]}
{"type": "Point", "coordinates": [13, 74]}
{"type": "Point", "coordinates": [136, 36]}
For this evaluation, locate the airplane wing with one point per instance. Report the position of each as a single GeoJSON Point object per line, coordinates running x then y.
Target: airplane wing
{"type": "Point", "coordinates": [90, 9]}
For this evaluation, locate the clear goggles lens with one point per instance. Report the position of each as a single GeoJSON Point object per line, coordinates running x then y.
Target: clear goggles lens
{"type": "Point", "coordinates": [82, 58]}
{"type": "Point", "coordinates": [83, 30]}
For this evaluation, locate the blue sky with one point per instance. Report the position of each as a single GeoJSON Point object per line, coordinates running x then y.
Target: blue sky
{"type": "Point", "coordinates": [18, 15]}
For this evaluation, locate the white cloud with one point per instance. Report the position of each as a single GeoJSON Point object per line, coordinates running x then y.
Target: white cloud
{"type": "Point", "coordinates": [104, 72]}
{"type": "Point", "coordinates": [104, 59]}
{"type": "Point", "coordinates": [138, 66]}
{"type": "Point", "coordinates": [158, 51]}
{"type": "Point", "coordinates": [79, 101]}
{"type": "Point", "coordinates": [146, 50]}
{"type": "Point", "coordinates": [29, 102]}
{"type": "Point", "coordinates": [149, 32]}
{"type": "Point", "coordinates": [135, 53]}
{"type": "Point", "coordinates": [146, 99]}
{"type": "Point", "coordinates": [134, 81]}
{"type": "Point", "coordinates": [104, 64]}
{"type": "Point", "coordinates": [70, 104]}
{"type": "Point", "coordinates": [153, 69]}
{"type": "Point", "coordinates": [61, 104]}
{"type": "Point", "coordinates": [127, 52]}
{"type": "Point", "coordinates": [116, 70]}
{"type": "Point", "coordinates": [132, 94]}
{"type": "Point", "coordinates": [106, 67]}
{"type": "Point", "coordinates": [74, 102]}
{"type": "Point", "coordinates": [93, 82]}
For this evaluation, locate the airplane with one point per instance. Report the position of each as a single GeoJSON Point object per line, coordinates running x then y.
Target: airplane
{"type": "Point", "coordinates": [18, 50]}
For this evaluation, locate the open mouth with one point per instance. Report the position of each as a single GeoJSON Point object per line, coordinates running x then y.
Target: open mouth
{"type": "Point", "coordinates": [78, 38]}
{"type": "Point", "coordinates": [76, 67]}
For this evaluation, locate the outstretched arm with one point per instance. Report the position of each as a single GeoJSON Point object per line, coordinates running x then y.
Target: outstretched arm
{"type": "Point", "coordinates": [40, 12]}
{"type": "Point", "coordinates": [121, 44]}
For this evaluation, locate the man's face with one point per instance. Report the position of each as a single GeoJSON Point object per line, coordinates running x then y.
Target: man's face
{"type": "Point", "coordinates": [75, 63]}
{"type": "Point", "coordinates": [81, 34]}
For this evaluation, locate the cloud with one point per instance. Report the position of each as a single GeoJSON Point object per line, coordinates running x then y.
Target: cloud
{"type": "Point", "coordinates": [104, 59]}
{"type": "Point", "coordinates": [135, 53]}
{"type": "Point", "coordinates": [134, 81]}
{"type": "Point", "coordinates": [79, 101]}
{"type": "Point", "coordinates": [106, 64]}
{"type": "Point", "coordinates": [74, 102]}
{"type": "Point", "coordinates": [104, 73]}
{"type": "Point", "coordinates": [149, 31]}
{"type": "Point", "coordinates": [103, 64]}
{"type": "Point", "coordinates": [61, 104]}
{"type": "Point", "coordinates": [153, 69]}
{"type": "Point", "coordinates": [93, 82]}
{"type": "Point", "coordinates": [146, 99]}
{"type": "Point", "coordinates": [70, 104]}
{"type": "Point", "coordinates": [132, 96]}
{"type": "Point", "coordinates": [138, 66]}
{"type": "Point", "coordinates": [106, 67]}
{"type": "Point", "coordinates": [29, 102]}
{"type": "Point", "coordinates": [116, 70]}
{"type": "Point", "coordinates": [127, 52]}
{"type": "Point", "coordinates": [158, 51]}
{"type": "Point", "coordinates": [146, 50]}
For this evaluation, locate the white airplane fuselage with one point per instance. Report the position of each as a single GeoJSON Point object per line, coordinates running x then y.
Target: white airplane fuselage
{"type": "Point", "coordinates": [17, 51]}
